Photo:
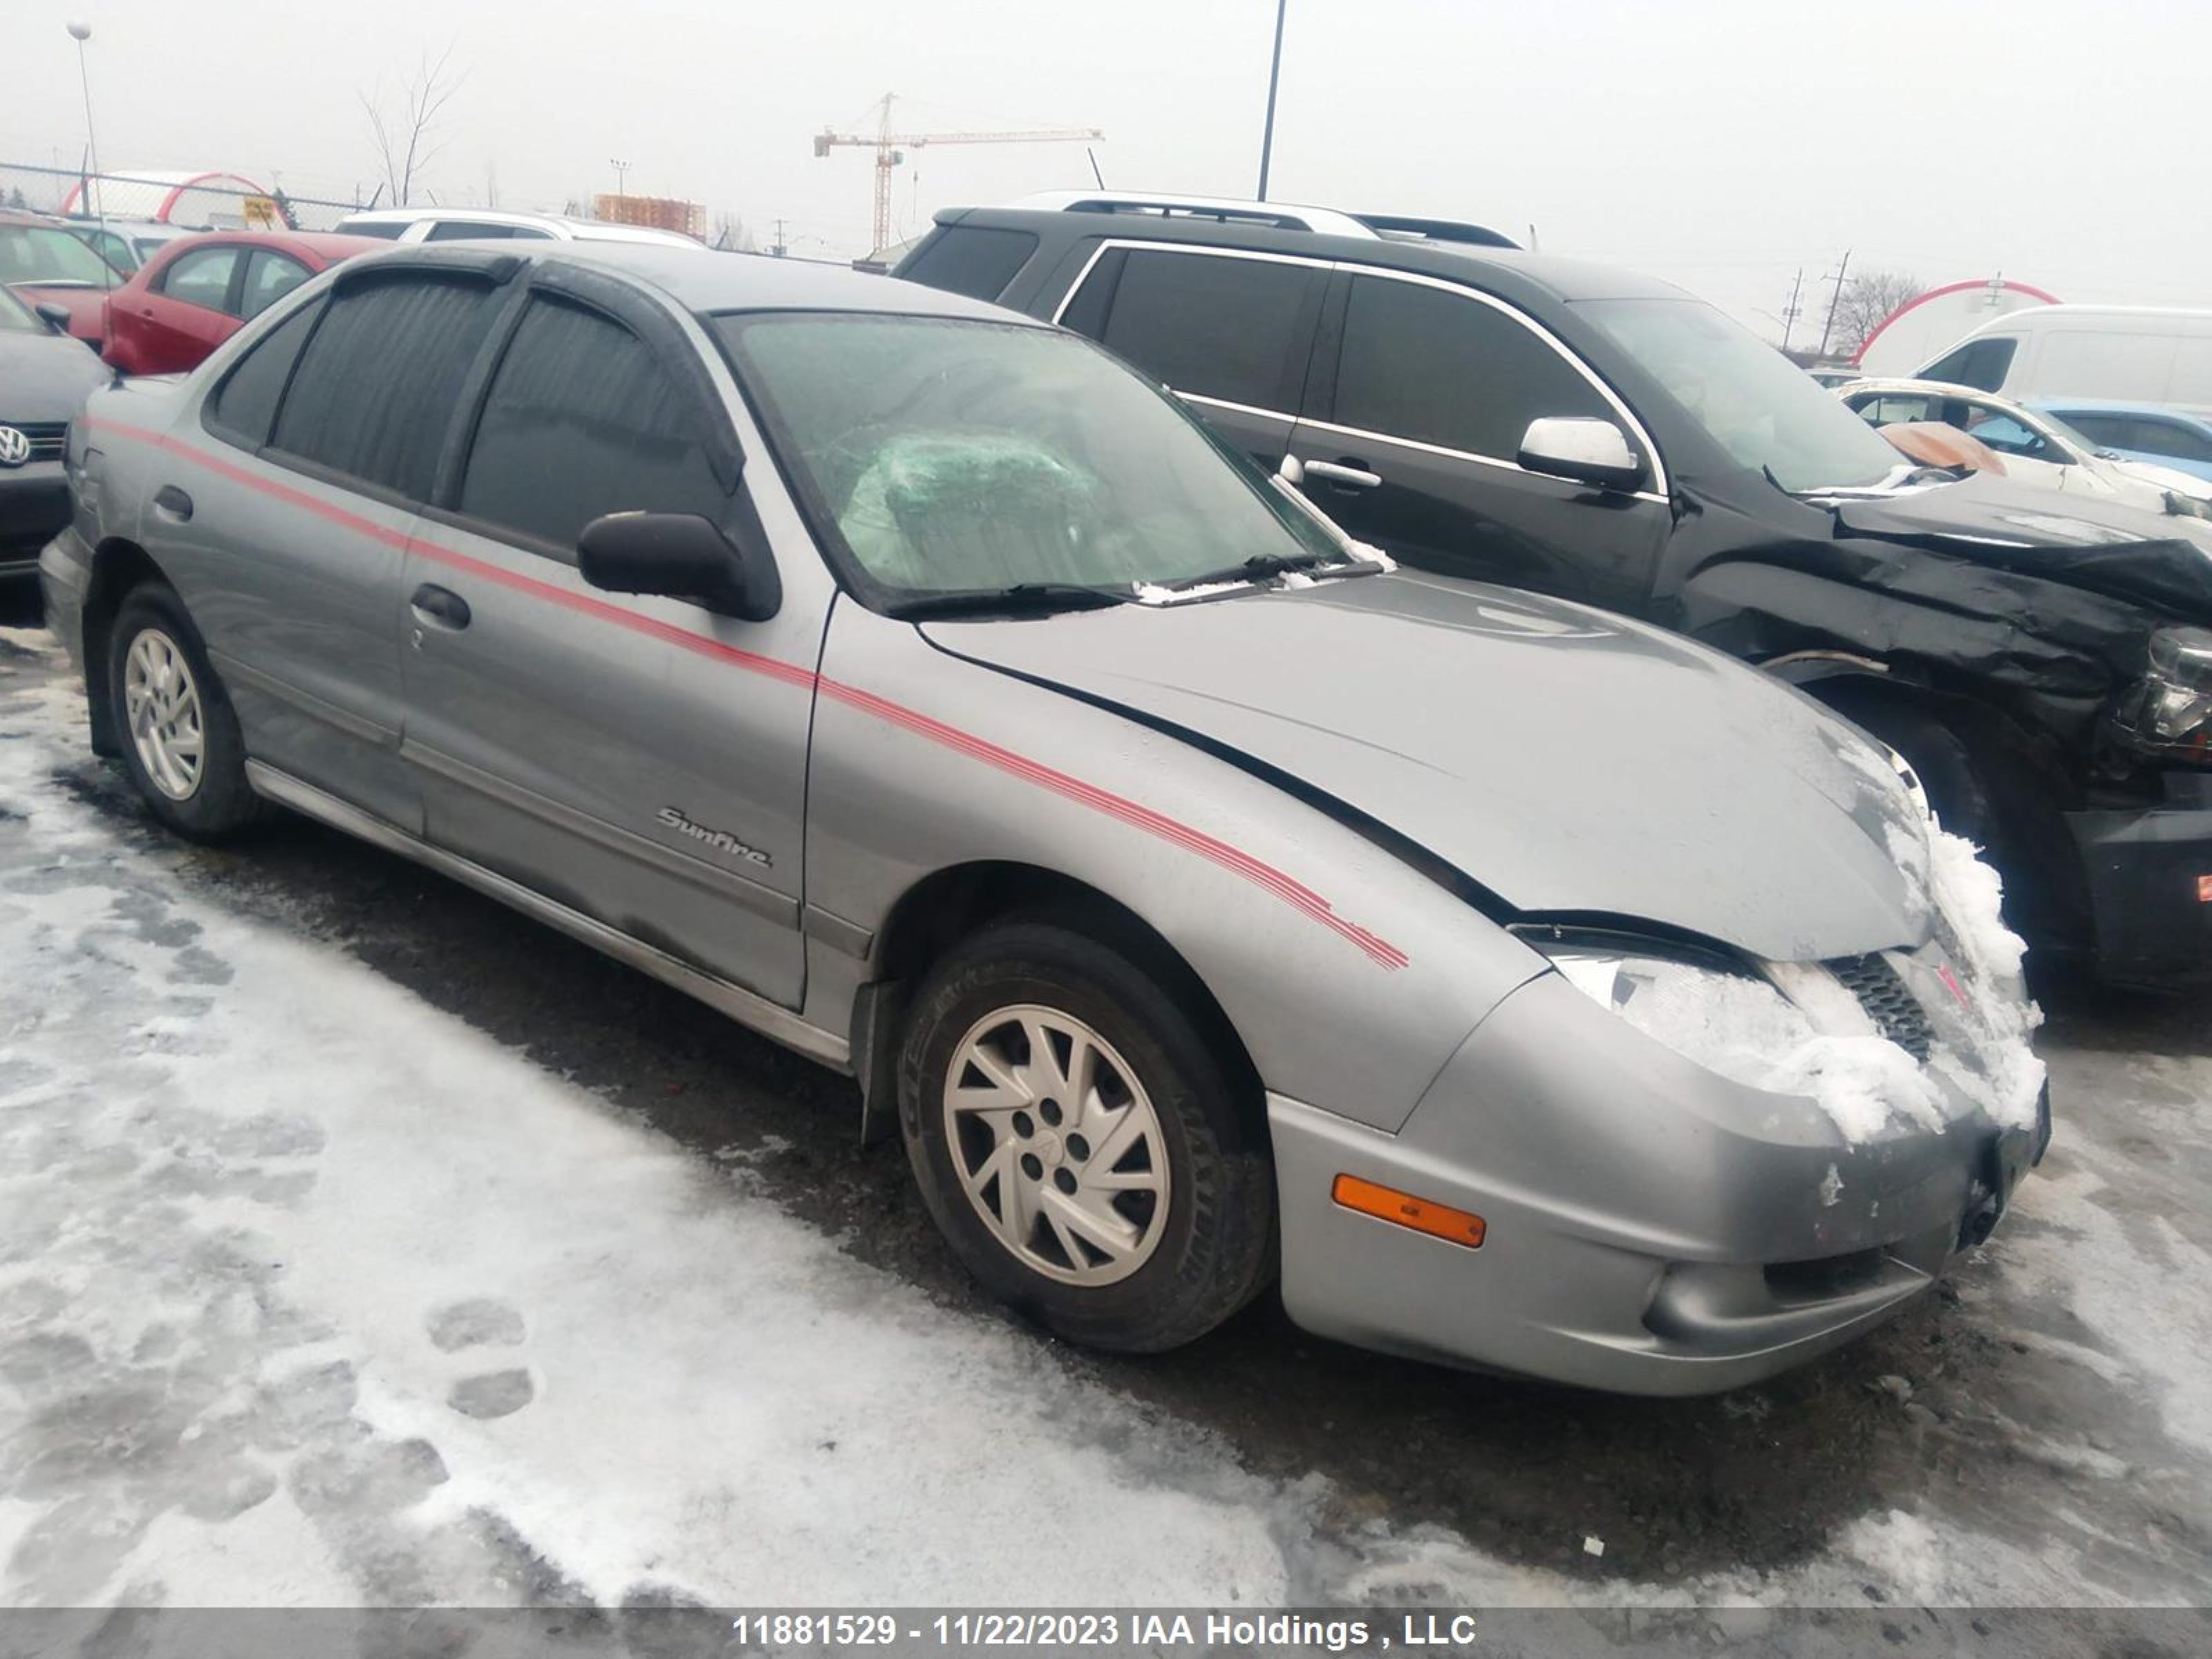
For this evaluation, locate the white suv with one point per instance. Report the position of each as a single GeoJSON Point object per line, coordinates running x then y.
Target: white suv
{"type": "Point", "coordinates": [432, 224]}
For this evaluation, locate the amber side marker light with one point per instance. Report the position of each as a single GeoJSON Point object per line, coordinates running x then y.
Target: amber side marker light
{"type": "Point", "coordinates": [1404, 1210]}
{"type": "Point", "coordinates": [2204, 889]}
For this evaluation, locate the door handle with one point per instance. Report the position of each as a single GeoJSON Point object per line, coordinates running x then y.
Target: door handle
{"type": "Point", "coordinates": [1345, 475]}
{"type": "Point", "coordinates": [441, 606]}
{"type": "Point", "coordinates": [171, 502]}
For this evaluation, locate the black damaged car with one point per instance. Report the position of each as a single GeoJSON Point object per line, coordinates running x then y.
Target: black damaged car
{"type": "Point", "coordinates": [1483, 412]}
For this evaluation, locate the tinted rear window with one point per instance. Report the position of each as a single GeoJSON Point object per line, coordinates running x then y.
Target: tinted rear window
{"type": "Point", "coordinates": [376, 388]}
{"type": "Point", "coordinates": [971, 260]}
{"type": "Point", "coordinates": [1238, 329]}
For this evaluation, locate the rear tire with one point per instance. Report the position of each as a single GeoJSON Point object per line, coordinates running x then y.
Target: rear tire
{"type": "Point", "coordinates": [1080, 1144]}
{"type": "Point", "coordinates": [173, 721]}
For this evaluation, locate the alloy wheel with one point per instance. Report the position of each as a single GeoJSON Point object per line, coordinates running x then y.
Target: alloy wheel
{"type": "Point", "coordinates": [161, 706]}
{"type": "Point", "coordinates": [1057, 1144]}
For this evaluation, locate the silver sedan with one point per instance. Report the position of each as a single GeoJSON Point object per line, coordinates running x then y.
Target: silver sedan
{"type": "Point", "coordinates": [1204, 903]}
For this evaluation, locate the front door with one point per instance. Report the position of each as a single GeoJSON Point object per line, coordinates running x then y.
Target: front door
{"type": "Point", "coordinates": [640, 760]}
{"type": "Point", "coordinates": [1410, 444]}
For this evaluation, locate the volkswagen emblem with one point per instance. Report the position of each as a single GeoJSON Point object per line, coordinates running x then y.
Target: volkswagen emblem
{"type": "Point", "coordinates": [14, 447]}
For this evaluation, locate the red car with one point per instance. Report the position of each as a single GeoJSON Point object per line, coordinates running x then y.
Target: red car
{"type": "Point", "coordinates": [196, 292]}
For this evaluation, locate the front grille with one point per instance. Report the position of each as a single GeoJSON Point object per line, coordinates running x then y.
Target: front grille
{"type": "Point", "coordinates": [49, 439]}
{"type": "Point", "coordinates": [1895, 1011]}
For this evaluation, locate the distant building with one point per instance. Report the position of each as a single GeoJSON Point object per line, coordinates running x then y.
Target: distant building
{"type": "Point", "coordinates": [656, 212]}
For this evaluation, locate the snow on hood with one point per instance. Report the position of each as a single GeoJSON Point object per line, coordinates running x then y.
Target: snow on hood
{"type": "Point", "coordinates": [1566, 759]}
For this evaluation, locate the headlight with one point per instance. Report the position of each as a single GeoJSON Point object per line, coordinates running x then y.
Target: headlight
{"type": "Point", "coordinates": [1790, 1029]}
{"type": "Point", "coordinates": [2168, 713]}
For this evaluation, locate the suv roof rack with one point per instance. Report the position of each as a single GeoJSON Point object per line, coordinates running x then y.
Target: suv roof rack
{"type": "Point", "coordinates": [1221, 209]}
{"type": "Point", "coordinates": [1401, 228]}
{"type": "Point", "coordinates": [1271, 216]}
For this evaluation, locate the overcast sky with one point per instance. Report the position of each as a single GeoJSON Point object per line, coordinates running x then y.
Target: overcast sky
{"type": "Point", "coordinates": [1718, 144]}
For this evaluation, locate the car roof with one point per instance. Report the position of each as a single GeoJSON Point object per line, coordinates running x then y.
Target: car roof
{"type": "Point", "coordinates": [705, 280]}
{"type": "Point", "coordinates": [1506, 268]}
{"type": "Point", "coordinates": [1885, 383]}
{"type": "Point", "coordinates": [582, 229]}
{"type": "Point", "coordinates": [2110, 406]}
{"type": "Point", "coordinates": [323, 244]}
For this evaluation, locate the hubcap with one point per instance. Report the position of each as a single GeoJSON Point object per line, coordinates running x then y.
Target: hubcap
{"type": "Point", "coordinates": [1056, 1145]}
{"type": "Point", "coordinates": [161, 705]}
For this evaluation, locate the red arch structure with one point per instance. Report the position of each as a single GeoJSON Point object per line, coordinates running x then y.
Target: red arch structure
{"type": "Point", "coordinates": [1948, 288]}
{"type": "Point", "coordinates": [156, 195]}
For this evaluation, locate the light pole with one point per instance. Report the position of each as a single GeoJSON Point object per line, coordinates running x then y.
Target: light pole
{"type": "Point", "coordinates": [80, 31]}
{"type": "Point", "coordinates": [1274, 74]}
{"type": "Point", "coordinates": [622, 173]}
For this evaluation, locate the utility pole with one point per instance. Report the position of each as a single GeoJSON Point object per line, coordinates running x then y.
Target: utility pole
{"type": "Point", "coordinates": [80, 31]}
{"type": "Point", "coordinates": [1829, 322]}
{"type": "Point", "coordinates": [780, 247]}
{"type": "Point", "coordinates": [1274, 75]}
{"type": "Point", "coordinates": [1789, 311]}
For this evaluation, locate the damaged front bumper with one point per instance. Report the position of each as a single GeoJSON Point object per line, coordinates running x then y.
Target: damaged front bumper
{"type": "Point", "coordinates": [1649, 1227]}
{"type": "Point", "coordinates": [2147, 871]}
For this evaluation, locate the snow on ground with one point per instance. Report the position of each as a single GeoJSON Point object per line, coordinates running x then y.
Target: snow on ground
{"type": "Point", "coordinates": [311, 1294]}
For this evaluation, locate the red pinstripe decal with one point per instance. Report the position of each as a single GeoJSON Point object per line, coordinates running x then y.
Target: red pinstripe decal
{"type": "Point", "coordinates": [1290, 890]}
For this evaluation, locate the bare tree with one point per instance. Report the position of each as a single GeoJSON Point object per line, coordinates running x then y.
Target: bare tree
{"type": "Point", "coordinates": [406, 132]}
{"type": "Point", "coordinates": [1866, 297]}
{"type": "Point", "coordinates": [731, 235]}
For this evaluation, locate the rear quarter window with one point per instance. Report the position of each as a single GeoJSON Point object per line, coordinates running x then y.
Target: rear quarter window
{"type": "Point", "coordinates": [974, 260]}
{"type": "Point", "coordinates": [244, 406]}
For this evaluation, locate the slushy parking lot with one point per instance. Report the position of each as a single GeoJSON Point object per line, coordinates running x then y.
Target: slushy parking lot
{"type": "Point", "coordinates": [362, 1242]}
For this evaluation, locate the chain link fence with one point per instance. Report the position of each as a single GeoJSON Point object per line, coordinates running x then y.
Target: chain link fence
{"type": "Point", "coordinates": [190, 201]}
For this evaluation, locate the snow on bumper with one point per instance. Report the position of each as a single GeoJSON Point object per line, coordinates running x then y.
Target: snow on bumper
{"type": "Point", "coordinates": [1651, 1228]}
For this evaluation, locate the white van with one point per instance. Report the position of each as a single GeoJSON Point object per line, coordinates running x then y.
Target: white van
{"type": "Point", "coordinates": [2133, 354]}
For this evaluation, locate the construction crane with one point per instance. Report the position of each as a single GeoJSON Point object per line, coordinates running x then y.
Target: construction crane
{"type": "Point", "coordinates": [890, 149]}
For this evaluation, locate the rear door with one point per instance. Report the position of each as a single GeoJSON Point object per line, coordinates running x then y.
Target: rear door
{"type": "Point", "coordinates": [326, 436]}
{"type": "Point", "coordinates": [640, 760]}
{"type": "Point", "coordinates": [1231, 333]}
{"type": "Point", "coordinates": [1422, 396]}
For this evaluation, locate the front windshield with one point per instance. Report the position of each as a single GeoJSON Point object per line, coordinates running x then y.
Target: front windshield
{"type": "Point", "coordinates": [957, 456]}
{"type": "Point", "coordinates": [38, 253]}
{"type": "Point", "coordinates": [1752, 401]}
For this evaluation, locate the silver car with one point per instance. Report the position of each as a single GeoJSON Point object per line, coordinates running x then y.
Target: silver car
{"type": "Point", "coordinates": [1202, 900]}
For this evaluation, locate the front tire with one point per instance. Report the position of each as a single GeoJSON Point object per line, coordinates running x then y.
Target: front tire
{"type": "Point", "coordinates": [178, 734]}
{"type": "Point", "coordinates": [1081, 1144]}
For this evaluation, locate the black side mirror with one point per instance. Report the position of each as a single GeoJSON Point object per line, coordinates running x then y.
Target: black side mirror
{"type": "Point", "coordinates": [679, 556]}
{"type": "Point", "coordinates": [54, 316]}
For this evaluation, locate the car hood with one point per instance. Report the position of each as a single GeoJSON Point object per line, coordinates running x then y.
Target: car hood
{"type": "Point", "coordinates": [1572, 761]}
{"type": "Point", "coordinates": [45, 377]}
{"type": "Point", "coordinates": [2102, 544]}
